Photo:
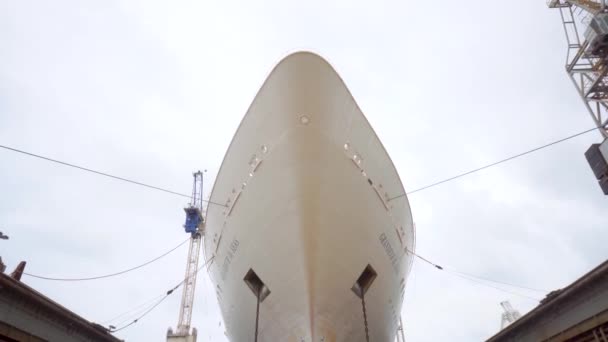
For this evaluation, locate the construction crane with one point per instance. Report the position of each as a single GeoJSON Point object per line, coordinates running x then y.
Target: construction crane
{"type": "Point", "coordinates": [509, 316]}
{"type": "Point", "coordinates": [195, 226]}
{"type": "Point", "coordinates": [587, 66]}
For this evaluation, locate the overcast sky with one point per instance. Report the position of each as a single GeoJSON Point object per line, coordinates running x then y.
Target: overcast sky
{"type": "Point", "coordinates": [153, 91]}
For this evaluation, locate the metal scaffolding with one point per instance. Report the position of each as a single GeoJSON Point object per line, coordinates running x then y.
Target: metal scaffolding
{"type": "Point", "coordinates": [587, 71]}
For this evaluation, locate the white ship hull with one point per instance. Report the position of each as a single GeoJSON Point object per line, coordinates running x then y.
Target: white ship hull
{"type": "Point", "coordinates": [306, 184]}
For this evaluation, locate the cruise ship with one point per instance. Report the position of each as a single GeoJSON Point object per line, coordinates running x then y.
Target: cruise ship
{"type": "Point", "coordinates": [310, 244]}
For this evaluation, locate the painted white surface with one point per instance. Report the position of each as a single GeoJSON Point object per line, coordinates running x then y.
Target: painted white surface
{"type": "Point", "coordinates": [306, 182]}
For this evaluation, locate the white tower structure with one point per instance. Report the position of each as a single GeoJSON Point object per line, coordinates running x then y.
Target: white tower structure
{"type": "Point", "coordinates": [509, 316]}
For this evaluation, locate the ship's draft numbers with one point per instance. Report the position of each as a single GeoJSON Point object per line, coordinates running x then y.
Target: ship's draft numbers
{"type": "Point", "coordinates": [232, 249]}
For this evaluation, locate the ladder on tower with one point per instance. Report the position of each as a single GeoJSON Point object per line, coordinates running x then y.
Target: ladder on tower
{"type": "Point", "coordinates": [185, 311]}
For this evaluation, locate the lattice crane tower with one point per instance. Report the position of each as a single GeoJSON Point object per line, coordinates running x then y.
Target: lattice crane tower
{"type": "Point", "coordinates": [509, 316]}
{"type": "Point", "coordinates": [587, 66]}
{"type": "Point", "coordinates": [195, 227]}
